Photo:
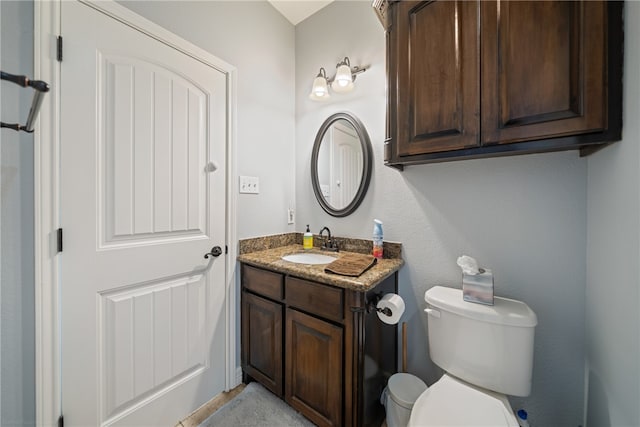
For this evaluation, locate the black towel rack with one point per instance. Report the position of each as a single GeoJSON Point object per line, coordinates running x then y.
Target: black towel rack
{"type": "Point", "coordinates": [41, 89]}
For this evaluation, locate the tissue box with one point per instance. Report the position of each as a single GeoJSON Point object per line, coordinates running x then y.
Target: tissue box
{"type": "Point", "coordinates": [478, 288]}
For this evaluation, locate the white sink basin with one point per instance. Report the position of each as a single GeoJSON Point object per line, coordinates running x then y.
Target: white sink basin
{"type": "Point", "coordinates": [312, 258]}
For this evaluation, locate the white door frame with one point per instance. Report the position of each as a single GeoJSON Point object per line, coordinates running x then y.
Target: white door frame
{"type": "Point", "coordinates": [47, 16]}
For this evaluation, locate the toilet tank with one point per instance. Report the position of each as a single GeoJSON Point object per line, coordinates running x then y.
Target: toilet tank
{"type": "Point", "coordinates": [489, 346]}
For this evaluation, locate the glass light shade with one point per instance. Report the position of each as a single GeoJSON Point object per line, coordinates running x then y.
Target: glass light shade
{"type": "Point", "coordinates": [319, 90]}
{"type": "Point", "coordinates": [343, 82]}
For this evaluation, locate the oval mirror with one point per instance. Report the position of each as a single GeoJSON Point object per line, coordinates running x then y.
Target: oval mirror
{"type": "Point", "coordinates": [341, 164]}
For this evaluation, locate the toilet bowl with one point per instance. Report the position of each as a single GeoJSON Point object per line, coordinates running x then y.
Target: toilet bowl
{"type": "Point", "coordinates": [399, 397]}
{"type": "Point", "coordinates": [486, 353]}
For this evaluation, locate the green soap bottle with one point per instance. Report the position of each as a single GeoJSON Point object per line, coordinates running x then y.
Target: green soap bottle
{"type": "Point", "coordinates": [307, 239]}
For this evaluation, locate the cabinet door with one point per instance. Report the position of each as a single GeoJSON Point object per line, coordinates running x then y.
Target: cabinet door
{"type": "Point", "coordinates": [262, 341]}
{"type": "Point", "coordinates": [434, 76]}
{"type": "Point", "coordinates": [314, 368]}
{"type": "Point", "coordinates": [543, 69]}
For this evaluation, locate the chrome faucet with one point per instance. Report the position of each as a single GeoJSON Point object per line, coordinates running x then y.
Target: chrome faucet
{"type": "Point", "coordinates": [329, 243]}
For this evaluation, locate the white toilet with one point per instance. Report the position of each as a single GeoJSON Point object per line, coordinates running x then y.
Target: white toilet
{"type": "Point", "coordinates": [486, 353]}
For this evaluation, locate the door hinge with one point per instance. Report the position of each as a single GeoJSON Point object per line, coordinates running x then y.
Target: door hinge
{"type": "Point", "coordinates": [61, 421]}
{"type": "Point", "coordinates": [59, 242]}
{"type": "Point", "coordinates": [59, 49]}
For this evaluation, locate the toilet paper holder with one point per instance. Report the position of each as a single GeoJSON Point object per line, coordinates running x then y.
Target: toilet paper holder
{"type": "Point", "coordinates": [388, 307]}
{"type": "Point", "coordinates": [371, 305]}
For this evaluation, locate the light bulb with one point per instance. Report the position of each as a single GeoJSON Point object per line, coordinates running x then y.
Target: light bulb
{"type": "Point", "coordinates": [343, 76]}
{"type": "Point", "coordinates": [343, 82]}
{"type": "Point", "coordinates": [319, 90]}
{"type": "Point", "coordinates": [320, 86]}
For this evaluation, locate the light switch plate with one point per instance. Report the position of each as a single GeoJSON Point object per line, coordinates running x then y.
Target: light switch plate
{"type": "Point", "coordinates": [249, 185]}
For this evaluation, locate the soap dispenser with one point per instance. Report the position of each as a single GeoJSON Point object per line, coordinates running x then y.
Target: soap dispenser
{"type": "Point", "coordinates": [307, 239]}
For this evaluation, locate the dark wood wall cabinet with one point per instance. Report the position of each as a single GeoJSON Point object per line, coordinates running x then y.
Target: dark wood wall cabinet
{"type": "Point", "coordinates": [316, 346]}
{"type": "Point", "coordinates": [470, 79]}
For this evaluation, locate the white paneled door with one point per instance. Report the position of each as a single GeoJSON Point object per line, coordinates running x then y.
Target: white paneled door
{"type": "Point", "coordinates": [143, 140]}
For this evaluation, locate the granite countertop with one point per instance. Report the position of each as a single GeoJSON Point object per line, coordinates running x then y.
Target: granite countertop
{"type": "Point", "coordinates": [271, 259]}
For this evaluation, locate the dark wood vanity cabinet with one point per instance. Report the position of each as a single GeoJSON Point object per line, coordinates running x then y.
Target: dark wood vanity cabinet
{"type": "Point", "coordinates": [485, 78]}
{"type": "Point", "coordinates": [316, 346]}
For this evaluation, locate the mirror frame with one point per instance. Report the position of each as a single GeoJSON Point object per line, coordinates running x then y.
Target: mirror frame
{"type": "Point", "coordinates": [367, 155]}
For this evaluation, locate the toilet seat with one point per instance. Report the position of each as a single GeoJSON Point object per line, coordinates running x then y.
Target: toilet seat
{"type": "Point", "coordinates": [452, 402]}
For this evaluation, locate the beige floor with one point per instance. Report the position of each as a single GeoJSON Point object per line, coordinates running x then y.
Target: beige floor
{"type": "Point", "coordinates": [203, 412]}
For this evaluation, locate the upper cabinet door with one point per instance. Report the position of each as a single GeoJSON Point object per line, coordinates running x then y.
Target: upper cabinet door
{"type": "Point", "coordinates": [434, 95]}
{"type": "Point", "coordinates": [543, 69]}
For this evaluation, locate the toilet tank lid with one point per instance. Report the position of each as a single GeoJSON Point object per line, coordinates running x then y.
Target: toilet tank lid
{"type": "Point", "coordinates": [504, 311]}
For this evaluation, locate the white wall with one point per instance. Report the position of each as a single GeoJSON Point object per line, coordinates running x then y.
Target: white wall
{"type": "Point", "coordinates": [524, 216]}
{"type": "Point", "coordinates": [17, 298]}
{"type": "Point", "coordinates": [613, 255]}
{"type": "Point", "coordinates": [259, 41]}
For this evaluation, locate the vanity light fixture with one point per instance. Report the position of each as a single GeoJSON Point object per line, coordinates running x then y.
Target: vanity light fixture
{"type": "Point", "coordinates": [342, 82]}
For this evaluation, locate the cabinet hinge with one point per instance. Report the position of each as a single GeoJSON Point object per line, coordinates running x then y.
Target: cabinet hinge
{"type": "Point", "coordinates": [59, 49]}
{"type": "Point", "coordinates": [61, 421]}
{"type": "Point", "coordinates": [59, 241]}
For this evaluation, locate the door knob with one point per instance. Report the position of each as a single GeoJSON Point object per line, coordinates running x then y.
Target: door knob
{"type": "Point", "coordinates": [211, 167]}
{"type": "Point", "coordinates": [216, 251]}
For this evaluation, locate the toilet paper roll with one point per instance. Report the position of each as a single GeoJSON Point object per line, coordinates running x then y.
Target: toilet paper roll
{"type": "Point", "coordinates": [390, 308]}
